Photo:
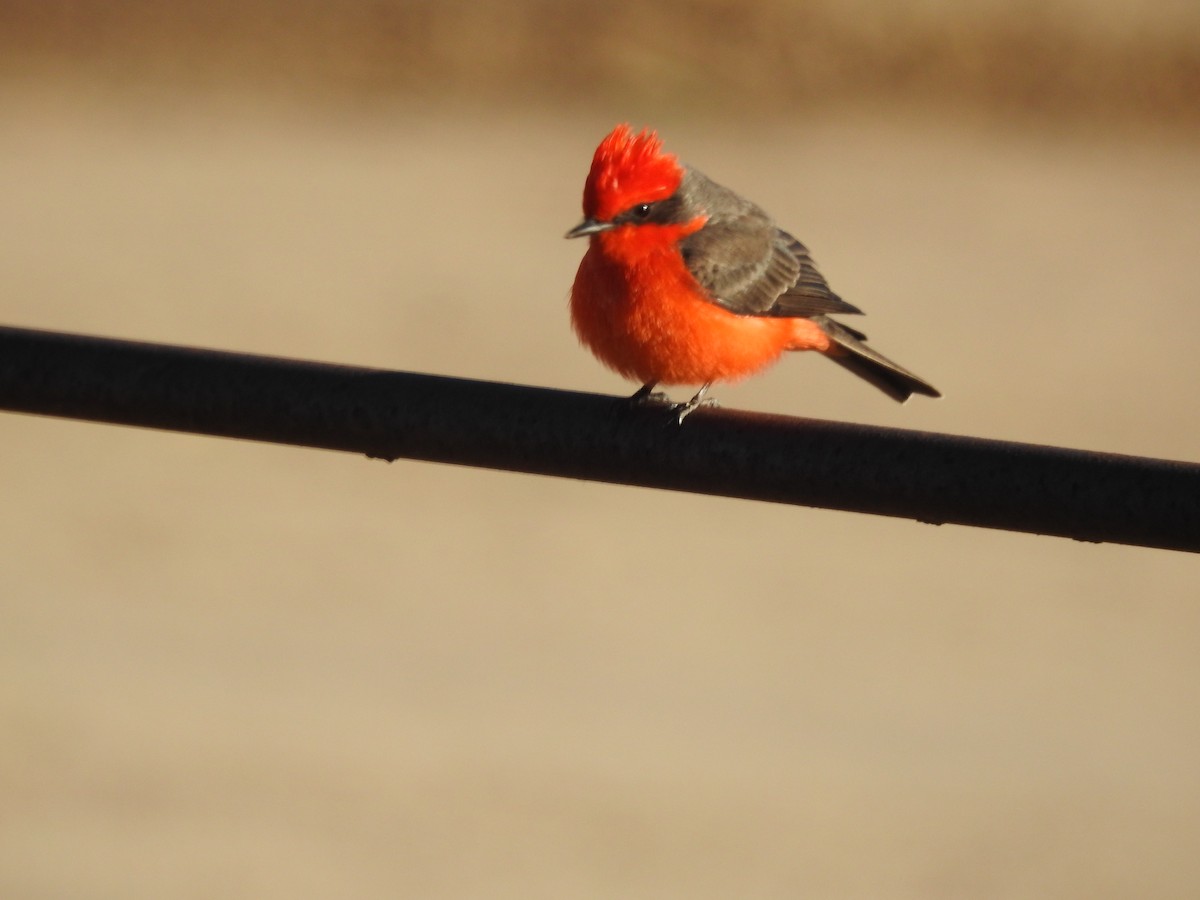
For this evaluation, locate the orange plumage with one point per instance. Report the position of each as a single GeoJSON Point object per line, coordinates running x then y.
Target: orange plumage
{"type": "Point", "coordinates": [684, 282]}
{"type": "Point", "coordinates": [640, 311]}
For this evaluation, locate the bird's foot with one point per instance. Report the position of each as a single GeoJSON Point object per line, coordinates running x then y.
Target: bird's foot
{"type": "Point", "coordinates": [647, 396]}
{"type": "Point", "coordinates": [683, 410]}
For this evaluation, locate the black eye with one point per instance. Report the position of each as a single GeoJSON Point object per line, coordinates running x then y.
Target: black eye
{"type": "Point", "coordinates": [641, 210]}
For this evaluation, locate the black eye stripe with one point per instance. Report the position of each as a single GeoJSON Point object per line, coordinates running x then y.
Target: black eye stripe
{"type": "Point", "coordinates": [659, 212]}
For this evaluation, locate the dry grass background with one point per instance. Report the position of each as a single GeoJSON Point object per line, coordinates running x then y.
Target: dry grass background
{"type": "Point", "coordinates": [1113, 60]}
{"type": "Point", "coordinates": [238, 670]}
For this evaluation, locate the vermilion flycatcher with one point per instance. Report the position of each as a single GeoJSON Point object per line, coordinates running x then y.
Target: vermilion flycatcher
{"type": "Point", "coordinates": [685, 282]}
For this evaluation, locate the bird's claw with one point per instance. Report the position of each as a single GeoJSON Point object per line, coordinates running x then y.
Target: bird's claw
{"type": "Point", "coordinates": [647, 396]}
{"type": "Point", "coordinates": [683, 410]}
{"type": "Point", "coordinates": [657, 398]}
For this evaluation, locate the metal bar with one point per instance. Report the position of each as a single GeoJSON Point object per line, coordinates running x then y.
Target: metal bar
{"type": "Point", "coordinates": [387, 415]}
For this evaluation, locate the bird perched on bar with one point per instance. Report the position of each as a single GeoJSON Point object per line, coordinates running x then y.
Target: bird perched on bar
{"type": "Point", "coordinates": [686, 282]}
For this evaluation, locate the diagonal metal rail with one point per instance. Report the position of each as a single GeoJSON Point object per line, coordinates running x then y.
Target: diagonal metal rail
{"type": "Point", "coordinates": [388, 415]}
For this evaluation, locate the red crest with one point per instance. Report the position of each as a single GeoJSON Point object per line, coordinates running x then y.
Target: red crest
{"type": "Point", "coordinates": [628, 169]}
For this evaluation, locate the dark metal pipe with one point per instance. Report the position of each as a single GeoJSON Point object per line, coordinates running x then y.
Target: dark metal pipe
{"type": "Point", "coordinates": [383, 414]}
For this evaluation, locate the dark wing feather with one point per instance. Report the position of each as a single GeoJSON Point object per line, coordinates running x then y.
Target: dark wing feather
{"type": "Point", "coordinates": [750, 267]}
{"type": "Point", "coordinates": [745, 263]}
{"type": "Point", "coordinates": [810, 294]}
{"type": "Point", "coordinates": [741, 264]}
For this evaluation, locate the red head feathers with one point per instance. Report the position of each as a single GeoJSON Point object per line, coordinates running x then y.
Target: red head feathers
{"type": "Point", "coordinates": [628, 169]}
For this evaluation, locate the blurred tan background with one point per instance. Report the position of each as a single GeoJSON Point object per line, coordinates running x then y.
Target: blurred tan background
{"type": "Point", "coordinates": [239, 670]}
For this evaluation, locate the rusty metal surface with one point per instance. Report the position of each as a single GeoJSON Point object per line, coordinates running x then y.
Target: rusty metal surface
{"type": "Point", "coordinates": [388, 415]}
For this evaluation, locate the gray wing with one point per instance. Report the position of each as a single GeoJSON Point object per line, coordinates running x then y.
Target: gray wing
{"type": "Point", "coordinates": [741, 264]}
{"type": "Point", "coordinates": [745, 263]}
{"type": "Point", "coordinates": [810, 295]}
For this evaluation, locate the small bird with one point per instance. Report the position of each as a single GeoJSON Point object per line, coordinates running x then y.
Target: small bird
{"type": "Point", "coordinates": [686, 282]}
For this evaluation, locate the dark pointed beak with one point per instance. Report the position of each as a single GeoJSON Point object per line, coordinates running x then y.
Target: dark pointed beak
{"type": "Point", "coordinates": [588, 226]}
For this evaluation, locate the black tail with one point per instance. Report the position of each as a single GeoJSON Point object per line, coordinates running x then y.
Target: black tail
{"type": "Point", "coordinates": [891, 378]}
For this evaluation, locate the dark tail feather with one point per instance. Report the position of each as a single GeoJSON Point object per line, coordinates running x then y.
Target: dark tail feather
{"type": "Point", "coordinates": [891, 378]}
